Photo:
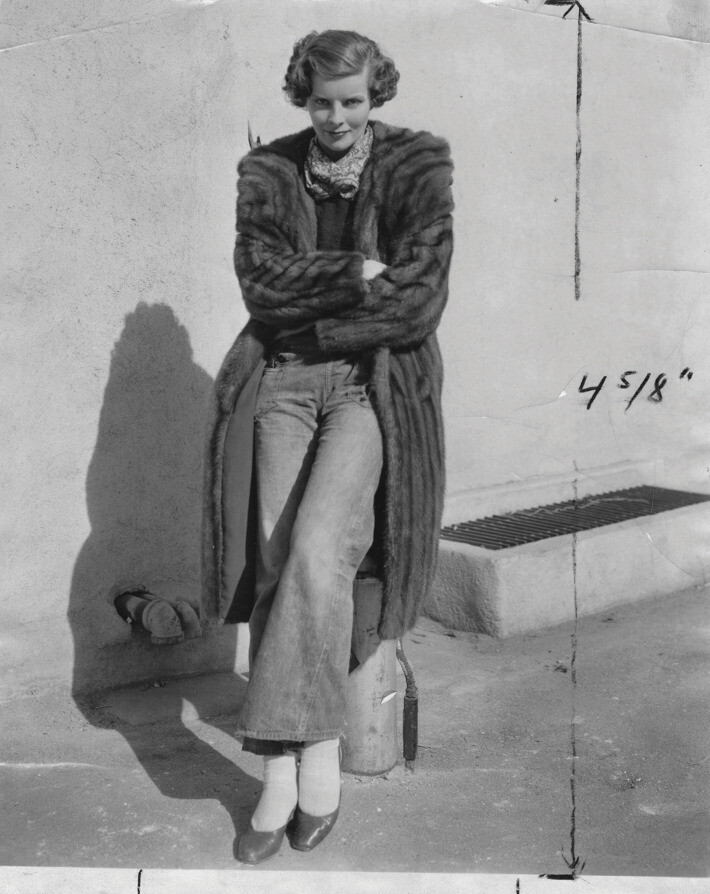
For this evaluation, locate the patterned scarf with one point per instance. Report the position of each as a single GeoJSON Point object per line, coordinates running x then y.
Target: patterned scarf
{"type": "Point", "coordinates": [325, 177]}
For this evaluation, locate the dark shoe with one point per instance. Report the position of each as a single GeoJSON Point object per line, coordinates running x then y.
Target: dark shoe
{"type": "Point", "coordinates": [162, 621]}
{"type": "Point", "coordinates": [255, 847]}
{"type": "Point", "coordinates": [310, 830]}
{"type": "Point", "coordinates": [189, 619]}
{"type": "Point", "coordinates": [158, 616]}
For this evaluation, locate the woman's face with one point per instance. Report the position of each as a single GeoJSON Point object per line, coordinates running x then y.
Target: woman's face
{"type": "Point", "coordinates": [339, 110]}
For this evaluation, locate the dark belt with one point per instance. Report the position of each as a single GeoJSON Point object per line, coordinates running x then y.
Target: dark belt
{"type": "Point", "coordinates": [303, 343]}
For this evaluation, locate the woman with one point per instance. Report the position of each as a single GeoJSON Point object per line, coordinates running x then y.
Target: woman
{"type": "Point", "coordinates": [328, 440]}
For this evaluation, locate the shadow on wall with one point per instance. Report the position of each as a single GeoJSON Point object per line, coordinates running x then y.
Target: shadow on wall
{"type": "Point", "coordinates": [144, 496]}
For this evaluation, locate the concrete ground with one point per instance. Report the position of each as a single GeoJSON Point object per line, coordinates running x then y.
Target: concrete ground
{"type": "Point", "coordinates": [516, 762]}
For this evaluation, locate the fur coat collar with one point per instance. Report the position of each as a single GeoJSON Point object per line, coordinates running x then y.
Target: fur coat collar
{"type": "Point", "coordinates": [402, 218]}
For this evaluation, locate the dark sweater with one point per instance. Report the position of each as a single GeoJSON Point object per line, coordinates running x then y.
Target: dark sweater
{"type": "Point", "coordinates": [335, 233]}
{"type": "Point", "coordinates": [335, 224]}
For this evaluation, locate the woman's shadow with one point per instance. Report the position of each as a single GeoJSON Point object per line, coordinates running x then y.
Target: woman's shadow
{"type": "Point", "coordinates": [144, 499]}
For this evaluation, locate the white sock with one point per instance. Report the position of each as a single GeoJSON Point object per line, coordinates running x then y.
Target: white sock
{"type": "Point", "coordinates": [319, 778]}
{"type": "Point", "coordinates": [279, 795]}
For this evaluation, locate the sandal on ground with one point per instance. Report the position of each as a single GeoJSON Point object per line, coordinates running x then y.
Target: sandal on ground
{"type": "Point", "coordinates": [168, 623]}
{"type": "Point", "coordinates": [189, 619]}
{"type": "Point", "coordinates": [162, 621]}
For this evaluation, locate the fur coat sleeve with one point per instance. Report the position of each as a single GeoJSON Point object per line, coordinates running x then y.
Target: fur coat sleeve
{"type": "Point", "coordinates": [404, 304]}
{"type": "Point", "coordinates": [284, 281]}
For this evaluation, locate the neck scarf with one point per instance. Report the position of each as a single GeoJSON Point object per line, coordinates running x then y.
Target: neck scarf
{"type": "Point", "coordinates": [325, 177]}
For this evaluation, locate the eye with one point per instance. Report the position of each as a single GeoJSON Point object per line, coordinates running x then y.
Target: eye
{"type": "Point", "coordinates": [354, 102]}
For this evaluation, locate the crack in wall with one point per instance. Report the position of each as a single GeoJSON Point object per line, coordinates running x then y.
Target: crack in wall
{"type": "Point", "coordinates": [578, 161]}
{"type": "Point", "coordinates": [502, 4]}
{"type": "Point", "coordinates": [660, 552]}
{"type": "Point", "coordinates": [574, 862]}
{"type": "Point", "coordinates": [657, 270]}
{"type": "Point", "coordinates": [573, 677]}
{"type": "Point", "coordinates": [111, 26]}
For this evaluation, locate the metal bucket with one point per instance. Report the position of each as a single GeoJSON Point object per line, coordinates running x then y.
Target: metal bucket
{"type": "Point", "coordinates": [370, 747]}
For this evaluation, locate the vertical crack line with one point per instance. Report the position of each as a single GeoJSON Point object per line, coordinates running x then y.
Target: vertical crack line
{"type": "Point", "coordinates": [573, 676]}
{"type": "Point", "coordinates": [578, 160]}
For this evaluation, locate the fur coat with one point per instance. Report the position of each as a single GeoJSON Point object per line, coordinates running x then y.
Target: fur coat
{"type": "Point", "coordinates": [403, 219]}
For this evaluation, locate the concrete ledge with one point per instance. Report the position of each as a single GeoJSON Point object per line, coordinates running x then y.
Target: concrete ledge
{"type": "Point", "coordinates": [502, 592]}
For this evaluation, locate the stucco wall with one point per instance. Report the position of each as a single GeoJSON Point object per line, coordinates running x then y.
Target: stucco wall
{"type": "Point", "coordinates": [121, 127]}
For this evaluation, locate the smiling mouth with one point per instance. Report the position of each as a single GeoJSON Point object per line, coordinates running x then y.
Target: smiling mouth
{"type": "Point", "coordinates": [337, 133]}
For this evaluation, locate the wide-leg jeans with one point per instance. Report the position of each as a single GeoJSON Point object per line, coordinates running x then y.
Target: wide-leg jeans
{"type": "Point", "coordinates": [318, 453]}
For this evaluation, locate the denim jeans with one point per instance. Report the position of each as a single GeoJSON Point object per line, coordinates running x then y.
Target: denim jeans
{"type": "Point", "coordinates": [318, 454]}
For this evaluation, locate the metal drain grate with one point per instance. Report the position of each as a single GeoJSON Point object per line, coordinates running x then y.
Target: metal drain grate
{"type": "Point", "coordinates": [555, 519]}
